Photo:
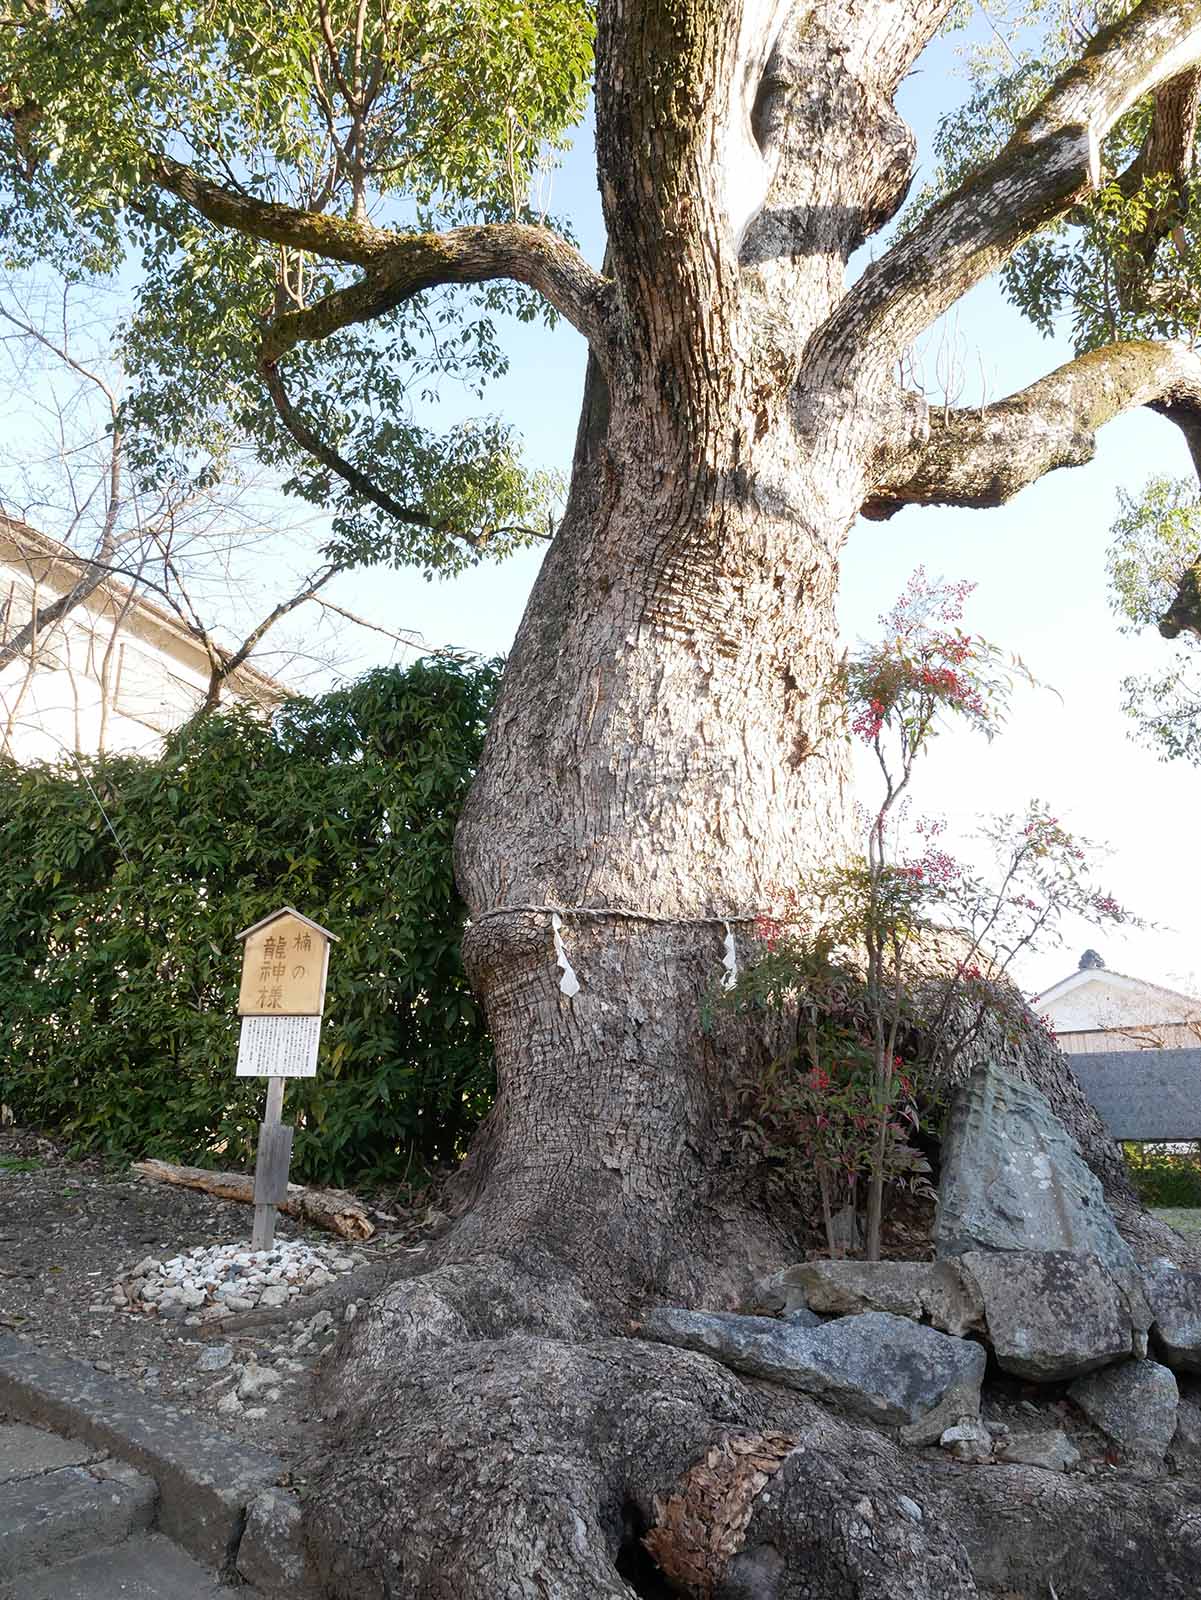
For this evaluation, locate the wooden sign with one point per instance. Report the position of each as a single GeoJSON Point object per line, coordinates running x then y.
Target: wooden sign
{"type": "Point", "coordinates": [285, 959]}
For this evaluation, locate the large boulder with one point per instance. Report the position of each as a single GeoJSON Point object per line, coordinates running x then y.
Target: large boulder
{"type": "Point", "coordinates": [1175, 1300]}
{"type": "Point", "coordinates": [1051, 1314]}
{"type": "Point", "coordinates": [1134, 1404]}
{"type": "Point", "coordinates": [1013, 1179]}
{"type": "Point", "coordinates": [927, 1291]}
{"type": "Point", "coordinates": [886, 1369]}
{"type": "Point", "coordinates": [1185, 1448]}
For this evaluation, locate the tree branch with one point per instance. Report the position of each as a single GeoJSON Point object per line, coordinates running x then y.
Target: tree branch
{"type": "Point", "coordinates": [983, 457]}
{"type": "Point", "coordinates": [231, 660]}
{"type": "Point", "coordinates": [398, 266]}
{"type": "Point", "coordinates": [359, 481]}
{"type": "Point", "coordinates": [1170, 145]}
{"type": "Point", "coordinates": [411, 640]}
{"type": "Point", "coordinates": [1048, 165]}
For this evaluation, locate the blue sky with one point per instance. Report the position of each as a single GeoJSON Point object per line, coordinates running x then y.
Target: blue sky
{"type": "Point", "coordinates": [1039, 567]}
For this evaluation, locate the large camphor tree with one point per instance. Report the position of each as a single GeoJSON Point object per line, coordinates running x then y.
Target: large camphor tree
{"type": "Point", "coordinates": [302, 183]}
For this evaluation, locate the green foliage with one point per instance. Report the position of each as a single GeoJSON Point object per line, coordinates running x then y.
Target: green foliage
{"type": "Point", "coordinates": [820, 1111]}
{"type": "Point", "coordinates": [412, 118]}
{"type": "Point", "coordinates": [1155, 549]}
{"type": "Point", "coordinates": [125, 883]}
{"type": "Point", "coordinates": [1126, 263]}
{"type": "Point", "coordinates": [1097, 271]}
{"type": "Point", "coordinates": [1164, 1175]}
{"type": "Point", "coordinates": [1156, 539]}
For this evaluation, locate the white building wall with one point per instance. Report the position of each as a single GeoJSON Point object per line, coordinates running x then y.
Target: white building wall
{"type": "Point", "coordinates": [1101, 1011]}
{"type": "Point", "coordinates": [112, 676]}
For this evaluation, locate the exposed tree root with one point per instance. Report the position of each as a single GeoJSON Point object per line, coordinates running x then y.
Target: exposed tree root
{"type": "Point", "coordinates": [467, 1466]}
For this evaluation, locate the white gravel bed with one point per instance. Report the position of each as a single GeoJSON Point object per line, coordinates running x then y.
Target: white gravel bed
{"type": "Point", "coordinates": [217, 1280]}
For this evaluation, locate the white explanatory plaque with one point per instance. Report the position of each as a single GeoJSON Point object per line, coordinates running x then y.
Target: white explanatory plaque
{"type": "Point", "coordinates": [279, 1047]}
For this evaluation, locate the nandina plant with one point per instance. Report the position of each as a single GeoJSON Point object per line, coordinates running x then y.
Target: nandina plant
{"type": "Point", "coordinates": [888, 1003]}
{"type": "Point", "coordinates": [814, 1115]}
{"type": "Point", "coordinates": [925, 670]}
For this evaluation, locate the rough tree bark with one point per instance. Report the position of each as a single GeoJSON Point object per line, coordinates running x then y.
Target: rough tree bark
{"type": "Point", "coordinates": [666, 758]}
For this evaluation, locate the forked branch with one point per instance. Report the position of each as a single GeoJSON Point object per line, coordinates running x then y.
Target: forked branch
{"type": "Point", "coordinates": [984, 456]}
{"type": "Point", "coordinates": [1049, 164]}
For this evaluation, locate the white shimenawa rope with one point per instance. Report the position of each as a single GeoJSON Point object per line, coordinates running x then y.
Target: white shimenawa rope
{"type": "Point", "coordinates": [569, 983]}
{"type": "Point", "coordinates": [723, 921]}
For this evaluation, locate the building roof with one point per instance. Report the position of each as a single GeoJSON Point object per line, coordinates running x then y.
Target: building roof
{"type": "Point", "coordinates": [1119, 981]}
{"type": "Point", "coordinates": [26, 542]}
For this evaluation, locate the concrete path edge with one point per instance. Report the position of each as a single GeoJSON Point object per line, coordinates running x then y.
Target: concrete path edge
{"type": "Point", "coordinates": [206, 1480]}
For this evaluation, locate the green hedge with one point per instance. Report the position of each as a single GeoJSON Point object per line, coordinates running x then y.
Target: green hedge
{"type": "Point", "coordinates": [123, 883]}
{"type": "Point", "coordinates": [1165, 1175]}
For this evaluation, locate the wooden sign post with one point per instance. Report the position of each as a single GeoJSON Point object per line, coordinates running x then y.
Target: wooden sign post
{"type": "Point", "coordinates": [285, 961]}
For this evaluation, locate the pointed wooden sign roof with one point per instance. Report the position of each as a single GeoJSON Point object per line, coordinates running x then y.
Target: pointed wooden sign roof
{"type": "Point", "coordinates": [288, 911]}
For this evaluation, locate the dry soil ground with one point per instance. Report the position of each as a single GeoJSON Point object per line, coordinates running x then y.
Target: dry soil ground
{"type": "Point", "coordinates": [69, 1228]}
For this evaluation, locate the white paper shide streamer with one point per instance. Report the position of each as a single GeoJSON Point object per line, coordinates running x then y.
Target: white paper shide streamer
{"type": "Point", "coordinates": [569, 984]}
{"type": "Point", "coordinates": [730, 961]}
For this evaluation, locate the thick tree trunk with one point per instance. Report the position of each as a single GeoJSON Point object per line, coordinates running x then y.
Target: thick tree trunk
{"type": "Point", "coordinates": [667, 758]}
{"type": "Point", "coordinates": [665, 751]}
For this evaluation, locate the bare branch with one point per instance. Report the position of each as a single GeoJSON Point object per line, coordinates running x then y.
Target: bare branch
{"type": "Point", "coordinates": [398, 266]}
{"type": "Point", "coordinates": [1049, 165]}
{"type": "Point", "coordinates": [984, 456]}
{"type": "Point", "coordinates": [233, 660]}
{"type": "Point", "coordinates": [411, 640]}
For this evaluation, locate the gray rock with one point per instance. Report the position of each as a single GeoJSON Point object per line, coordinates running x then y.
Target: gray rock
{"type": "Point", "coordinates": [271, 1554]}
{"type": "Point", "coordinates": [1134, 1404]}
{"type": "Point", "coordinates": [1014, 1179]}
{"type": "Point", "coordinates": [1051, 1314]}
{"type": "Point", "coordinates": [215, 1359]}
{"type": "Point", "coordinates": [845, 1288]}
{"type": "Point", "coordinates": [1051, 1449]}
{"type": "Point", "coordinates": [1175, 1300]}
{"type": "Point", "coordinates": [802, 1317]}
{"type": "Point", "coordinates": [1186, 1441]}
{"type": "Point", "coordinates": [275, 1294]}
{"type": "Point", "coordinates": [909, 1509]}
{"type": "Point", "coordinates": [968, 1440]}
{"type": "Point", "coordinates": [927, 1291]}
{"type": "Point", "coordinates": [779, 1293]}
{"type": "Point", "coordinates": [885, 1368]}
{"type": "Point", "coordinates": [255, 1381]}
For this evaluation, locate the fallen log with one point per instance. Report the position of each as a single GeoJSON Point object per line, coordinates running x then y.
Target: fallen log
{"type": "Point", "coordinates": [332, 1209]}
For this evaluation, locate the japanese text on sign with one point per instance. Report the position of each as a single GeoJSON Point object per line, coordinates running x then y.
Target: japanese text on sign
{"type": "Point", "coordinates": [279, 1047]}
{"type": "Point", "coordinates": [283, 970]}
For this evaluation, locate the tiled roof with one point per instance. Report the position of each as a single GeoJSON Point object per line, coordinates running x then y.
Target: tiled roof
{"type": "Point", "coordinates": [1144, 1094]}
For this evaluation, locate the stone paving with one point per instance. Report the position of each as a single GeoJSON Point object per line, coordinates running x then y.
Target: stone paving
{"type": "Point", "coordinates": [105, 1492]}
